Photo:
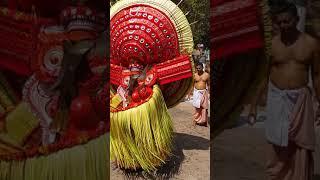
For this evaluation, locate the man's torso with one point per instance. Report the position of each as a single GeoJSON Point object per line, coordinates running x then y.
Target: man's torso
{"type": "Point", "coordinates": [289, 76]}
{"type": "Point", "coordinates": [201, 80]}
{"type": "Point", "coordinates": [290, 64]}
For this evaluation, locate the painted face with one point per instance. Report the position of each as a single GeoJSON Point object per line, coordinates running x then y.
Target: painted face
{"type": "Point", "coordinates": [151, 77]}
{"type": "Point", "coordinates": [126, 81]}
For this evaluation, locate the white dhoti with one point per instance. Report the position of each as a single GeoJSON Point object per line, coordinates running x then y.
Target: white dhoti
{"type": "Point", "coordinates": [200, 102]}
{"type": "Point", "coordinates": [290, 133]}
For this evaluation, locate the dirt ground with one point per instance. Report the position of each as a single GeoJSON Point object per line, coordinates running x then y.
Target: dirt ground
{"type": "Point", "coordinates": [239, 154]}
{"type": "Point", "coordinates": [192, 151]}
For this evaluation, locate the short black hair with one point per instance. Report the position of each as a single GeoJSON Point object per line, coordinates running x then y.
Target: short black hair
{"type": "Point", "coordinates": [283, 7]}
{"type": "Point", "coordinates": [199, 64]}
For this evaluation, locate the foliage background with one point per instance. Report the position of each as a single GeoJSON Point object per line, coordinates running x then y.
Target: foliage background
{"type": "Point", "coordinates": [199, 13]}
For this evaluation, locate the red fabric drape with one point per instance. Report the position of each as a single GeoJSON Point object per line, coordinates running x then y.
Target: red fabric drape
{"type": "Point", "coordinates": [18, 36]}
{"type": "Point", "coordinates": [235, 27]}
{"type": "Point", "coordinates": [44, 8]}
{"type": "Point", "coordinates": [16, 66]}
{"type": "Point", "coordinates": [18, 41]}
{"type": "Point", "coordinates": [12, 4]}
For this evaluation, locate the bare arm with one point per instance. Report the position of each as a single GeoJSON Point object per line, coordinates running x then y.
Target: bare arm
{"type": "Point", "coordinates": [316, 71]}
{"type": "Point", "coordinates": [316, 77]}
{"type": "Point", "coordinates": [265, 80]}
{"type": "Point", "coordinates": [208, 82]}
{"type": "Point", "coordinates": [260, 89]}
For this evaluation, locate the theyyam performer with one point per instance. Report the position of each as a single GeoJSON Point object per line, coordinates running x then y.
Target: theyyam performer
{"type": "Point", "coordinates": [151, 70]}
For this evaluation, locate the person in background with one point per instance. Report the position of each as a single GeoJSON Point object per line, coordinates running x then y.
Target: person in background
{"type": "Point", "coordinates": [301, 12]}
{"type": "Point", "coordinates": [196, 53]}
{"type": "Point", "coordinates": [290, 123]}
{"type": "Point", "coordinates": [200, 96]}
{"type": "Point", "coordinates": [202, 57]}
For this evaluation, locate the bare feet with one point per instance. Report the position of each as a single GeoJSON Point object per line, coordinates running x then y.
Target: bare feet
{"type": "Point", "coordinates": [203, 124]}
{"type": "Point", "coordinates": [194, 124]}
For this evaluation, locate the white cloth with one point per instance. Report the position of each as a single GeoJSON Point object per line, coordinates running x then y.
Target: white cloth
{"type": "Point", "coordinates": [197, 97]}
{"type": "Point", "coordinates": [123, 92]}
{"type": "Point", "coordinates": [280, 104]}
{"type": "Point", "coordinates": [39, 101]}
{"type": "Point", "coordinates": [302, 12]}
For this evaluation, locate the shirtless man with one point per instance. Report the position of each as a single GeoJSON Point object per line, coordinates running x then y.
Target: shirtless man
{"type": "Point", "coordinates": [200, 96]}
{"type": "Point", "coordinates": [290, 116]}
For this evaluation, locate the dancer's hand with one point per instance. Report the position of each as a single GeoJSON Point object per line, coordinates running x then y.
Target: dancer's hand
{"type": "Point", "coordinates": [318, 117]}
{"type": "Point", "coordinates": [252, 117]}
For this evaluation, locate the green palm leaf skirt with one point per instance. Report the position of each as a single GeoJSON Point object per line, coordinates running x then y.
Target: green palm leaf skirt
{"type": "Point", "coordinates": [141, 137]}
{"type": "Point", "coordinates": [87, 161]}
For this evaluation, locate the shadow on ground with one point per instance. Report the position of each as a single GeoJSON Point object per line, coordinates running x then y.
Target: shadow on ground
{"type": "Point", "coordinates": [172, 166]}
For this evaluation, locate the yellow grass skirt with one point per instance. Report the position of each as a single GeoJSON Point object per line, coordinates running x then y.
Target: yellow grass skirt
{"type": "Point", "coordinates": [82, 162]}
{"type": "Point", "coordinates": [141, 137]}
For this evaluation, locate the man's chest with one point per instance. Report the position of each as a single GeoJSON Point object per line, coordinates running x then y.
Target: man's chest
{"type": "Point", "coordinates": [298, 53]}
{"type": "Point", "coordinates": [202, 77]}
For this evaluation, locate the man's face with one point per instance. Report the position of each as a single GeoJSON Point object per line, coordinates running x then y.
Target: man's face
{"type": "Point", "coordinates": [286, 22]}
{"type": "Point", "coordinates": [199, 69]}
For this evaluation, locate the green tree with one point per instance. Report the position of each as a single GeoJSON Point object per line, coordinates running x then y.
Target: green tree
{"type": "Point", "coordinates": [113, 1]}
{"type": "Point", "coordinates": [199, 17]}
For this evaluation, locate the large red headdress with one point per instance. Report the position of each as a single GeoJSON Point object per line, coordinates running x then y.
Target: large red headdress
{"type": "Point", "coordinates": [145, 33]}
{"type": "Point", "coordinates": [154, 33]}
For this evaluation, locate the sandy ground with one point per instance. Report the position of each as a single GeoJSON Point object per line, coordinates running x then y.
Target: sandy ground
{"type": "Point", "coordinates": [192, 151]}
{"type": "Point", "coordinates": [239, 154]}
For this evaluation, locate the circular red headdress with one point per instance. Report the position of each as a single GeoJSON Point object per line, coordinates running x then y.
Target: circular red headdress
{"type": "Point", "coordinates": [143, 33]}
{"type": "Point", "coordinates": [150, 32]}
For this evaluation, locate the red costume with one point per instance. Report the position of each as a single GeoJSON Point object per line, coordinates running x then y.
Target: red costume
{"type": "Point", "coordinates": [151, 70]}
{"type": "Point", "coordinates": [47, 133]}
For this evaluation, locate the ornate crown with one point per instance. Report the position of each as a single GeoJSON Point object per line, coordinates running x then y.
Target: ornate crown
{"type": "Point", "coordinates": [82, 18]}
